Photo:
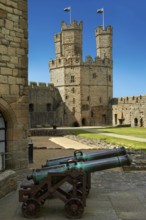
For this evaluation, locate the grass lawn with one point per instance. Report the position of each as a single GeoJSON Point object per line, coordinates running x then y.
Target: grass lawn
{"type": "Point", "coordinates": [136, 132]}
{"type": "Point", "coordinates": [113, 140]}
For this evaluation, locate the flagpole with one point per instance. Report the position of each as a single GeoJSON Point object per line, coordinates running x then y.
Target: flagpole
{"type": "Point", "coordinates": [70, 15]}
{"type": "Point", "coordinates": [101, 11]}
{"type": "Point", "coordinates": [103, 19]}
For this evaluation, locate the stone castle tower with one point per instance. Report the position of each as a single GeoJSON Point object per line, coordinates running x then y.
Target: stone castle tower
{"type": "Point", "coordinates": [86, 87]}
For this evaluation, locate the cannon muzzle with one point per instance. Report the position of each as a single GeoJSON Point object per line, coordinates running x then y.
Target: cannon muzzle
{"type": "Point", "coordinates": [80, 156]}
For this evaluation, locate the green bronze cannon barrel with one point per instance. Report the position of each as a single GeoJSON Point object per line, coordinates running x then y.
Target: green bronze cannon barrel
{"type": "Point", "coordinates": [88, 167]}
{"type": "Point", "coordinates": [80, 156]}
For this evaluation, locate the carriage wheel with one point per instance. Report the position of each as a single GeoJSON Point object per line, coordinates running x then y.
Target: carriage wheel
{"type": "Point", "coordinates": [31, 208]}
{"type": "Point", "coordinates": [74, 208]}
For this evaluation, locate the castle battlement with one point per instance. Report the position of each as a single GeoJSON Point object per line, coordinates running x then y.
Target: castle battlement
{"type": "Point", "coordinates": [74, 25]}
{"type": "Point", "coordinates": [57, 37]}
{"type": "Point", "coordinates": [76, 61]}
{"type": "Point", "coordinates": [107, 30]}
{"type": "Point", "coordinates": [64, 62]}
{"type": "Point", "coordinates": [40, 85]}
{"type": "Point", "coordinates": [130, 100]}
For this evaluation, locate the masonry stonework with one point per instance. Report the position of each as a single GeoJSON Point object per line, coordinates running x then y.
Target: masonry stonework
{"type": "Point", "coordinates": [14, 81]}
{"type": "Point", "coordinates": [86, 87]}
{"type": "Point", "coordinates": [129, 111]}
{"type": "Point", "coordinates": [44, 105]}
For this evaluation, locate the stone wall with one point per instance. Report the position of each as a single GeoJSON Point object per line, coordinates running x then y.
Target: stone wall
{"type": "Point", "coordinates": [8, 182]}
{"type": "Point", "coordinates": [14, 79]}
{"type": "Point", "coordinates": [44, 105]}
{"type": "Point", "coordinates": [129, 111]}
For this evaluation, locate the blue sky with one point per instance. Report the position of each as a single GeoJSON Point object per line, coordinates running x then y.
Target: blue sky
{"type": "Point", "coordinates": [127, 17]}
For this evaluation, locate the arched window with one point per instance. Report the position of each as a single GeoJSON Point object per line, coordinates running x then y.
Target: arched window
{"type": "Point", "coordinates": [73, 90]}
{"type": "Point", "coordinates": [135, 122]}
{"type": "Point", "coordinates": [141, 122]}
{"type": "Point", "coordinates": [92, 114]}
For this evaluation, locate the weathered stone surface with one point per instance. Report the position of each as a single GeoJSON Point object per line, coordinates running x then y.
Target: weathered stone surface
{"type": "Point", "coordinates": [13, 85]}
{"type": "Point", "coordinates": [85, 87]}
{"type": "Point", "coordinates": [8, 182]}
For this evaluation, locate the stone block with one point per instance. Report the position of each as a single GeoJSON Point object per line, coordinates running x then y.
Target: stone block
{"type": "Point", "coordinates": [14, 60]}
{"type": "Point", "coordinates": [3, 49]}
{"type": "Point", "coordinates": [5, 58]}
{"type": "Point", "coordinates": [8, 182]}
{"type": "Point", "coordinates": [6, 71]}
{"type": "Point", "coordinates": [2, 9]}
{"type": "Point", "coordinates": [14, 89]}
{"type": "Point", "coordinates": [20, 51]}
{"type": "Point", "coordinates": [5, 32]}
{"type": "Point", "coordinates": [4, 89]}
{"type": "Point", "coordinates": [3, 79]}
{"type": "Point", "coordinates": [22, 6]}
{"type": "Point", "coordinates": [11, 80]}
{"type": "Point", "coordinates": [11, 51]}
{"type": "Point", "coordinates": [12, 4]}
{"type": "Point", "coordinates": [5, 42]}
{"type": "Point", "coordinates": [9, 24]}
{"type": "Point", "coordinates": [1, 22]}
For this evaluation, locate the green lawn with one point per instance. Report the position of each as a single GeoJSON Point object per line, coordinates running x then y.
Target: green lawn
{"type": "Point", "coordinates": [113, 140]}
{"type": "Point", "coordinates": [136, 132]}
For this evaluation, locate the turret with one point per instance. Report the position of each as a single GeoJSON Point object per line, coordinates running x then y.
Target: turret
{"type": "Point", "coordinates": [68, 43]}
{"type": "Point", "coordinates": [104, 42]}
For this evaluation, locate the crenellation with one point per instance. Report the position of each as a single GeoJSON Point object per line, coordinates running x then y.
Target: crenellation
{"type": "Point", "coordinates": [74, 25]}
{"type": "Point", "coordinates": [107, 30]}
{"type": "Point", "coordinates": [130, 100]}
{"type": "Point", "coordinates": [40, 85]}
{"type": "Point", "coordinates": [57, 37]}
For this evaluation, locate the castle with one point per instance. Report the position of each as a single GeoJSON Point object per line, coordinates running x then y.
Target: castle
{"type": "Point", "coordinates": [80, 93]}
{"type": "Point", "coordinates": [86, 88]}
{"type": "Point", "coordinates": [83, 90]}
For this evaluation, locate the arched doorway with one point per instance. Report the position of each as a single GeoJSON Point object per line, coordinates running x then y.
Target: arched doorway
{"type": "Point", "coordinates": [135, 122]}
{"type": "Point", "coordinates": [2, 141]}
{"type": "Point", "coordinates": [141, 122]}
{"type": "Point", "coordinates": [83, 122]}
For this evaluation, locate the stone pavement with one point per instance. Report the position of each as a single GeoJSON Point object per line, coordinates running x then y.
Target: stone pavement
{"type": "Point", "coordinates": [115, 195]}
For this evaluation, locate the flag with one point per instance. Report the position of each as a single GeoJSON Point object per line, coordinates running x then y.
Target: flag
{"type": "Point", "coordinates": [100, 11]}
{"type": "Point", "coordinates": [67, 9]}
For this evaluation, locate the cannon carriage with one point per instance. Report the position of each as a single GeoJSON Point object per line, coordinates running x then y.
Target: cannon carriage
{"type": "Point", "coordinates": [47, 182]}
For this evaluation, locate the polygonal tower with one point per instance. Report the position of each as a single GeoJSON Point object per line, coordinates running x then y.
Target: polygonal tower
{"type": "Point", "coordinates": [68, 43]}
{"type": "Point", "coordinates": [104, 42]}
{"type": "Point", "coordinates": [65, 70]}
{"type": "Point", "coordinates": [86, 87]}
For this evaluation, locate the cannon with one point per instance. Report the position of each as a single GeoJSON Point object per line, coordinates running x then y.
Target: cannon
{"type": "Point", "coordinates": [49, 181]}
{"type": "Point", "coordinates": [80, 156]}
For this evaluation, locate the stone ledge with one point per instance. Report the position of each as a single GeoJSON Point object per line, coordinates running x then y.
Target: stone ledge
{"type": "Point", "coordinates": [8, 182]}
